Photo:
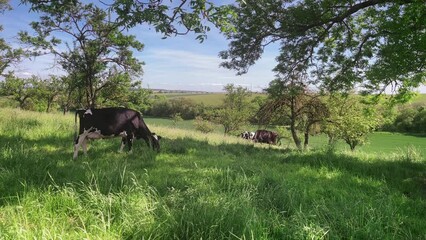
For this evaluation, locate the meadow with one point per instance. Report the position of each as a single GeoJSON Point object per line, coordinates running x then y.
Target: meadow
{"type": "Point", "coordinates": [208, 99]}
{"type": "Point", "coordinates": [204, 186]}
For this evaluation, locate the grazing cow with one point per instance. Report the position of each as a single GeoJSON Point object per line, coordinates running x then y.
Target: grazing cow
{"type": "Point", "coordinates": [247, 135]}
{"type": "Point", "coordinates": [112, 122]}
{"type": "Point", "coordinates": [265, 136]}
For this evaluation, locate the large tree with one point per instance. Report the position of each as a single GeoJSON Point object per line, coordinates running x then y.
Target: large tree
{"type": "Point", "coordinates": [87, 44]}
{"type": "Point", "coordinates": [368, 43]}
{"type": "Point", "coordinates": [290, 102]}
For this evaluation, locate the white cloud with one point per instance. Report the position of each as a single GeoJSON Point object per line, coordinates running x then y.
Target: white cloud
{"type": "Point", "coordinates": [187, 70]}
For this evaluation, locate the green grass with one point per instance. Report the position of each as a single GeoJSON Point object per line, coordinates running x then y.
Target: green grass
{"type": "Point", "coordinates": [201, 186]}
{"type": "Point", "coordinates": [378, 142]}
{"type": "Point", "coordinates": [419, 99]}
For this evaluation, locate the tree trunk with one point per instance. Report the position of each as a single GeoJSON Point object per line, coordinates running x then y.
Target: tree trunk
{"type": "Point", "coordinates": [306, 142]}
{"type": "Point", "coordinates": [296, 138]}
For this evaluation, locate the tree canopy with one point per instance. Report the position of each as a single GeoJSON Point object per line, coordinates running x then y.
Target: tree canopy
{"type": "Point", "coordinates": [88, 46]}
{"type": "Point", "coordinates": [372, 44]}
{"type": "Point", "coordinates": [170, 18]}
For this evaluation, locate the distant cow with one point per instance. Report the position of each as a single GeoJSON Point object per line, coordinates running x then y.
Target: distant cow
{"type": "Point", "coordinates": [265, 136]}
{"type": "Point", "coordinates": [247, 135]}
{"type": "Point", "coordinates": [112, 122]}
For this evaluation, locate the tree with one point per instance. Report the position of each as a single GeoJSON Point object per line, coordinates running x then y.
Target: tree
{"type": "Point", "coordinates": [97, 54]}
{"type": "Point", "coordinates": [372, 43]}
{"type": "Point", "coordinates": [21, 89]}
{"type": "Point", "coordinates": [290, 102]}
{"type": "Point", "coordinates": [48, 90]}
{"type": "Point", "coordinates": [349, 120]}
{"type": "Point", "coordinates": [235, 111]}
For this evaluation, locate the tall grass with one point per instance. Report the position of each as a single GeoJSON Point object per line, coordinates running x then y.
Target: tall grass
{"type": "Point", "coordinates": [200, 186]}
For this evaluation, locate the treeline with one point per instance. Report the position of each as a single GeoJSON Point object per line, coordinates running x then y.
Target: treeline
{"type": "Point", "coordinates": [63, 94]}
{"type": "Point", "coordinates": [409, 119]}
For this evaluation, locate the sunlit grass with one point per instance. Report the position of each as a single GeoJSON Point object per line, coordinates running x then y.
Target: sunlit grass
{"type": "Point", "coordinates": [201, 186]}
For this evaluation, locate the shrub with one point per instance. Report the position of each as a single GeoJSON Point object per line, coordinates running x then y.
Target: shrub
{"type": "Point", "coordinates": [410, 120]}
{"type": "Point", "coordinates": [176, 118]}
{"type": "Point", "coordinates": [187, 108]}
{"type": "Point", "coordinates": [203, 125]}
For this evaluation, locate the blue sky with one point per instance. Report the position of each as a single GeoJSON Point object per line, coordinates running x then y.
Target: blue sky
{"type": "Point", "coordinates": [175, 63]}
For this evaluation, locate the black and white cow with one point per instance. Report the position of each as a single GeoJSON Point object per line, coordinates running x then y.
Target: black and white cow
{"type": "Point", "coordinates": [265, 136]}
{"type": "Point", "coordinates": [247, 135]}
{"type": "Point", "coordinates": [112, 122]}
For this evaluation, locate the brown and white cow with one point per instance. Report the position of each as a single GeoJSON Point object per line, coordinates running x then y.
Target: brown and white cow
{"type": "Point", "coordinates": [112, 122]}
{"type": "Point", "coordinates": [265, 136]}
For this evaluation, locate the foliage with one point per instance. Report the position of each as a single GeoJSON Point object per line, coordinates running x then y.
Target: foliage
{"type": "Point", "coordinates": [98, 55]}
{"type": "Point", "coordinates": [409, 119]}
{"type": "Point", "coordinates": [176, 118]}
{"type": "Point", "coordinates": [374, 44]}
{"type": "Point", "coordinates": [21, 89]}
{"type": "Point", "coordinates": [203, 125]}
{"type": "Point", "coordinates": [349, 120]}
{"type": "Point", "coordinates": [236, 110]}
{"type": "Point", "coordinates": [291, 103]}
{"type": "Point", "coordinates": [163, 107]}
{"type": "Point", "coordinates": [169, 18]}
{"type": "Point", "coordinates": [48, 90]}
{"type": "Point", "coordinates": [175, 18]}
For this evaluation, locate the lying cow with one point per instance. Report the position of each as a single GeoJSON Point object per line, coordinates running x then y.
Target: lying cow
{"type": "Point", "coordinates": [112, 122]}
{"type": "Point", "coordinates": [265, 136]}
{"type": "Point", "coordinates": [247, 135]}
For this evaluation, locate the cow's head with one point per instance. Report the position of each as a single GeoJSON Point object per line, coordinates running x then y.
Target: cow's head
{"type": "Point", "coordinates": [245, 135]}
{"type": "Point", "coordinates": [155, 141]}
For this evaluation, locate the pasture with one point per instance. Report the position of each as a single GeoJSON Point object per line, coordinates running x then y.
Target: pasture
{"type": "Point", "coordinates": [208, 99]}
{"type": "Point", "coordinates": [204, 186]}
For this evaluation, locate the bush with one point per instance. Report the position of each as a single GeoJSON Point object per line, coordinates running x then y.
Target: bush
{"type": "Point", "coordinates": [187, 108]}
{"type": "Point", "coordinates": [403, 122]}
{"type": "Point", "coordinates": [419, 122]}
{"type": "Point", "coordinates": [203, 125]}
{"type": "Point", "coordinates": [410, 120]}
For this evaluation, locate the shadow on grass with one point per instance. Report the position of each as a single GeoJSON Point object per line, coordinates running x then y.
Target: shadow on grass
{"type": "Point", "coordinates": [408, 177]}
{"type": "Point", "coordinates": [39, 163]}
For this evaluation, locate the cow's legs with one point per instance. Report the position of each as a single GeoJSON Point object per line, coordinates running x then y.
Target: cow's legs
{"type": "Point", "coordinates": [129, 139]}
{"type": "Point", "coordinates": [76, 147]}
{"type": "Point", "coordinates": [81, 141]}
{"type": "Point", "coordinates": [84, 145]}
{"type": "Point", "coordinates": [123, 143]}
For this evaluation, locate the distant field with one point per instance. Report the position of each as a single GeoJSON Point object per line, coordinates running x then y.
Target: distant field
{"type": "Point", "coordinates": [208, 99]}
{"type": "Point", "coordinates": [378, 143]}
